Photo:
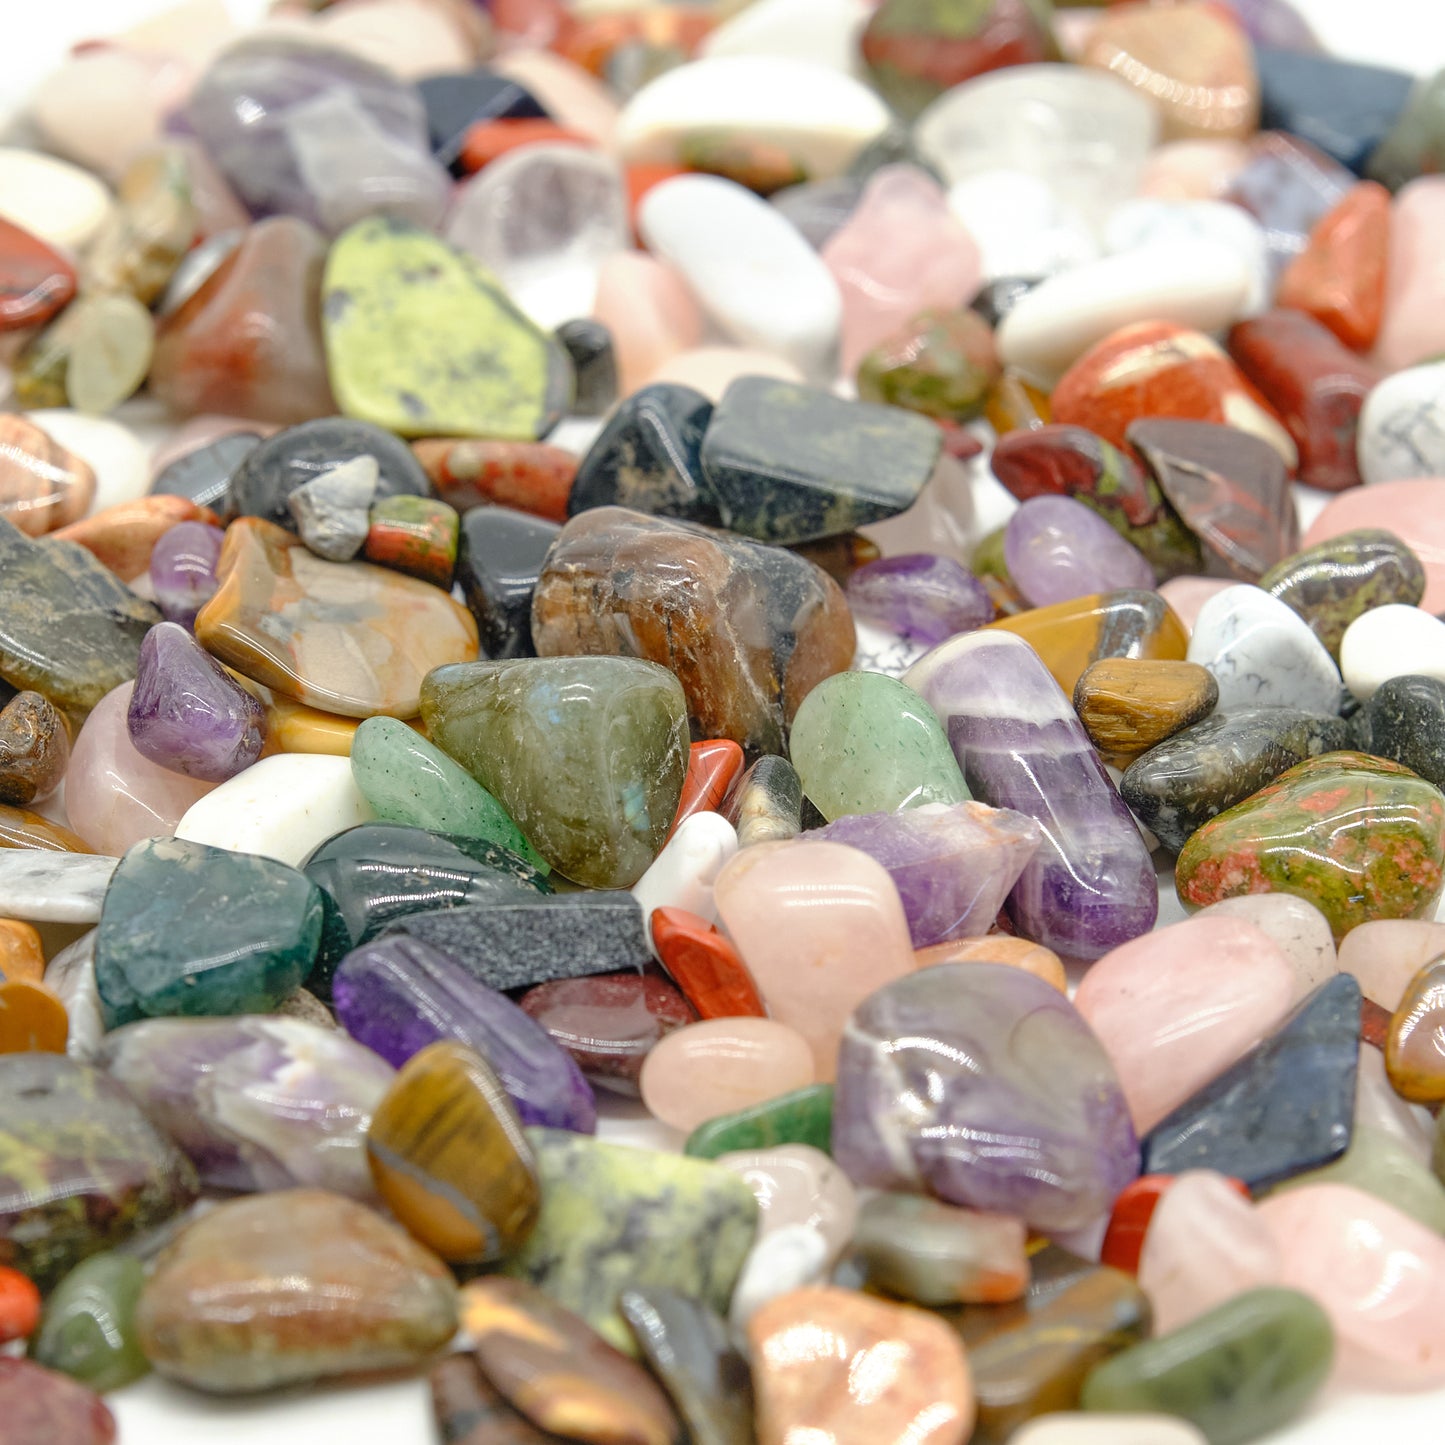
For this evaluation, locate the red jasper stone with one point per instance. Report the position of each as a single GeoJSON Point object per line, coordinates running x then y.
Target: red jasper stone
{"type": "Point", "coordinates": [486, 140]}
{"type": "Point", "coordinates": [711, 767]}
{"type": "Point", "coordinates": [1129, 1222]}
{"type": "Point", "coordinates": [530, 476]}
{"type": "Point", "coordinates": [1374, 1023]}
{"type": "Point", "coordinates": [35, 281]}
{"type": "Point", "coordinates": [705, 966]}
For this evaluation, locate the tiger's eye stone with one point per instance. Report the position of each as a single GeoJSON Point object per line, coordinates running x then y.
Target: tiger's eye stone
{"type": "Point", "coordinates": [34, 749]}
{"type": "Point", "coordinates": [42, 485]}
{"type": "Point", "coordinates": [449, 1157]}
{"type": "Point", "coordinates": [1415, 1043]}
{"type": "Point", "coordinates": [1127, 705]}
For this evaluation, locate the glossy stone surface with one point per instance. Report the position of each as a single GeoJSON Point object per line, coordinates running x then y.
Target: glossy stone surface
{"type": "Point", "coordinates": [921, 595]}
{"type": "Point", "coordinates": [712, 767]}
{"type": "Point", "coordinates": [293, 1286]}
{"type": "Point", "coordinates": [41, 1405]}
{"type": "Point", "coordinates": [765, 803]}
{"type": "Point", "coordinates": [34, 749]}
{"type": "Point", "coordinates": [589, 345]}
{"type": "Point", "coordinates": [501, 558]}
{"type": "Point", "coordinates": [1389, 642]}
{"type": "Point", "coordinates": [1409, 331]}
{"type": "Point", "coordinates": [395, 300]}
{"type": "Point", "coordinates": [35, 281]}
{"type": "Point", "coordinates": [1129, 705]}
{"type": "Point", "coordinates": [1359, 837]}
{"type": "Point", "coordinates": [1413, 1056]}
{"type": "Point", "coordinates": [42, 485]}
{"type": "Point", "coordinates": [81, 1168]}
{"type": "Point", "coordinates": [1379, 1163]}
{"type": "Point", "coordinates": [414, 535]}
{"type": "Point", "coordinates": [618, 582]}
{"type": "Point", "coordinates": [182, 569]}
{"type": "Point", "coordinates": [202, 474]}
{"type": "Point", "coordinates": [88, 1331]}
{"type": "Point", "coordinates": [257, 1103]}
{"type": "Point", "coordinates": [467, 1409]}
{"type": "Point", "coordinates": [21, 954]}
{"type": "Point", "coordinates": [357, 639]}
{"type": "Point", "coordinates": [517, 726]}
{"type": "Point", "coordinates": [939, 362]}
{"type": "Point", "coordinates": [1296, 925]}
{"type": "Point", "coordinates": [1090, 886]}
{"type": "Point", "coordinates": [971, 1024]}
{"type": "Point", "coordinates": [1403, 721]}
{"type": "Point", "coordinates": [399, 996]}
{"type": "Point", "coordinates": [1058, 550]}
{"type": "Point", "coordinates": [190, 929]}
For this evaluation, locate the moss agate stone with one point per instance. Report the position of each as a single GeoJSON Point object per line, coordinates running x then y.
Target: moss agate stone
{"type": "Point", "coordinates": [615, 1218]}
{"type": "Point", "coordinates": [81, 1168]}
{"type": "Point", "coordinates": [749, 630]}
{"type": "Point", "coordinates": [804, 1116]}
{"type": "Point", "coordinates": [191, 929]}
{"type": "Point", "coordinates": [423, 341]}
{"type": "Point", "coordinates": [614, 728]}
{"type": "Point", "coordinates": [787, 463]}
{"type": "Point", "coordinates": [88, 1329]}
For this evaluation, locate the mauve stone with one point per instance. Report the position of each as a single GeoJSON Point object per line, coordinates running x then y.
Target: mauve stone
{"type": "Point", "coordinates": [1058, 549]}
{"type": "Point", "coordinates": [920, 595]}
{"type": "Point", "coordinates": [183, 570]}
{"type": "Point", "coordinates": [42, 1407]}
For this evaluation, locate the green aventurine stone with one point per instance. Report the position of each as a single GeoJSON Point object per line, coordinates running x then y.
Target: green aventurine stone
{"type": "Point", "coordinates": [1381, 1165]}
{"type": "Point", "coordinates": [190, 929]}
{"type": "Point", "coordinates": [408, 780]}
{"type": "Point", "coordinates": [587, 754]}
{"type": "Point", "coordinates": [615, 1218]}
{"type": "Point", "coordinates": [1359, 837]}
{"type": "Point", "coordinates": [804, 1116]}
{"type": "Point", "coordinates": [88, 1331]}
{"type": "Point", "coordinates": [1238, 1372]}
{"type": "Point", "coordinates": [422, 340]}
{"type": "Point", "coordinates": [865, 743]}
{"type": "Point", "coordinates": [81, 1168]}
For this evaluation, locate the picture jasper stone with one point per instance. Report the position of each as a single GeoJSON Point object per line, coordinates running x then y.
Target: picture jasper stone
{"type": "Point", "coordinates": [34, 749]}
{"type": "Point", "coordinates": [1128, 705]}
{"type": "Point", "coordinates": [1359, 837]}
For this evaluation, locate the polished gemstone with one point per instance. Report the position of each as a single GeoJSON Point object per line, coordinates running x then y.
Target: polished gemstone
{"type": "Point", "coordinates": [1129, 705]}
{"type": "Point", "coordinates": [939, 362]}
{"type": "Point", "coordinates": [88, 1330]}
{"type": "Point", "coordinates": [41, 1406]}
{"type": "Point", "coordinates": [712, 767]}
{"type": "Point", "coordinates": [1414, 1057]}
{"type": "Point", "coordinates": [35, 281]}
{"type": "Point", "coordinates": [533, 477]}
{"type": "Point", "coordinates": [42, 485]}
{"type": "Point", "coordinates": [1058, 550]}
{"type": "Point", "coordinates": [920, 595]}
{"type": "Point", "coordinates": [467, 1410]}
{"type": "Point", "coordinates": [1404, 721]}
{"type": "Point", "coordinates": [182, 569]}
{"type": "Point", "coordinates": [34, 749]}
{"type": "Point", "coordinates": [765, 803]}
{"type": "Point", "coordinates": [803, 1117]}
{"type": "Point", "coordinates": [414, 535]}
{"type": "Point", "coordinates": [501, 557]}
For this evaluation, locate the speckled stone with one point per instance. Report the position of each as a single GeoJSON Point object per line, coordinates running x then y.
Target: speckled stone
{"type": "Point", "coordinates": [1404, 721]}
{"type": "Point", "coordinates": [34, 749]}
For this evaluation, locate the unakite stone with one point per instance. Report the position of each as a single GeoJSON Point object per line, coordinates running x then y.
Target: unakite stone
{"type": "Point", "coordinates": [88, 1329]}
{"type": "Point", "coordinates": [422, 340]}
{"type": "Point", "coordinates": [408, 780]}
{"type": "Point", "coordinates": [414, 535]}
{"type": "Point", "coordinates": [191, 929]}
{"type": "Point", "coordinates": [81, 1168]}
{"type": "Point", "coordinates": [1337, 580]}
{"type": "Point", "coordinates": [865, 743]}
{"type": "Point", "coordinates": [613, 728]}
{"type": "Point", "coordinates": [1359, 837]}
{"type": "Point", "coordinates": [939, 363]}
{"type": "Point", "coordinates": [804, 1116]}
{"type": "Point", "coordinates": [69, 628]}
{"type": "Point", "coordinates": [615, 1218]}
{"type": "Point", "coordinates": [1238, 1372]}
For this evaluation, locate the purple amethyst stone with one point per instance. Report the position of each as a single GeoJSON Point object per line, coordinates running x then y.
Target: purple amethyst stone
{"type": "Point", "coordinates": [1058, 549]}
{"type": "Point", "coordinates": [919, 595]}
{"type": "Point", "coordinates": [982, 1085]}
{"type": "Point", "coordinates": [183, 570]}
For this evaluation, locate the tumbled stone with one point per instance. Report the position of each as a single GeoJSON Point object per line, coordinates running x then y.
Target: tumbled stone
{"type": "Point", "coordinates": [803, 1117]}
{"type": "Point", "coordinates": [1057, 550]}
{"type": "Point", "coordinates": [42, 485]}
{"type": "Point", "coordinates": [468, 1410]}
{"type": "Point", "coordinates": [34, 749]}
{"type": "Point", "coordinates": [35, 281]}
{"type": "Point", "coordinates": [1413, 1057]}
{"type": "Point", "coordinates": [21, 954]}
{"type": "Point", "coordinates": [501, 558]}
{"type": "Point", "coordinates": [1129, 705]}
{"type": "Point", "coordinates": [124, 536]}
{"type": "Point", "coordinates": [292, 1286]}
{"type": "Point", "coordinates": [589, 345]}
{"type": "Point", "coordinates": [1404, 720]}
{"type": "Point", "coordinates": [1389, 642]}
{"type": "Point", "coordinates": [712, 767]}
{"type": "Point", "coordinates": [414, 535]}
{"type": "Point", "coordinates": [765, 803]}
{"type": "Point", "coordinates": [940, 363]}
{"type": "Point", "coordinates": [92, 357]}
{"type": "Point", "coordinates": [332, 511]}
{"type": "Point", "coordinates": [182, 569]}
{"type": "Point", "coordinates": [41, 1405]}
{"type": "Point", "coordinates": [921, 595]}
{"type": "Point", "coordinates": [1410, 328]}
{"type": "Point", "coordinates": [1379, 1163]}
{"type": "Point", "coordinates": [49, 877]}
{"type": "Point", "coordinates": [88, 1331]}
{"type": "Point", "coordinates": [1296, 925]}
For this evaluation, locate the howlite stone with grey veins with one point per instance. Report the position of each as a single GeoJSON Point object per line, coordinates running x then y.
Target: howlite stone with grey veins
{"type": "Point", "coordinates": [515, 943]}
{"type": "Point", "coordinates": [789, 463]}
{"type": "Point", "coordinates": [1402, 426]}
{"type": "Point", "coordinates": [1404, 721]}
{"type": "Point", "coordinates": [44, 887]}
{"type": "Point", "coordinates": [1177, 787]}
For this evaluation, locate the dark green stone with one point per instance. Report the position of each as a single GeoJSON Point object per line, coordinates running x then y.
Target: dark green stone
{"type": "Point", "coordinates": [81, 1168]}
{"type": "Point", "coordinates": [1415, 146]}
{"type": "Point", "coordinates": [1334, 582]}
{"type": "Point", "coordinates": [1238, 1372]}
{"type": "Point", "coordinates": [190, 929]}
{"type": "Point", "coordinates": [88, 1330]}
{"type": "Point", "coordinates": [69, 628]}
{"type": "Point", "coordinates": [789, 463]}
{"type": "Point", "coordinates": [804, 1116]}
{"type": "Point", "coordinates": [1405, 722]}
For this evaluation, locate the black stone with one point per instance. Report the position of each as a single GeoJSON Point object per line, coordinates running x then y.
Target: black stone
{"type": "Point", "coordinates": [1405, 722]}
{"type": "Point", "coordinates": [819, 208]}
{"type": "Point", "coordinates": [647, 458]}
{"type": "Point", "coordinates": [998, 297]}
{"type": "Point", "coordinates": [273, 470]}
{"type": "Point", "coordinates": [455, 103]}
{"type": "Point", "coordinates": [374, 874]}
{"type": "Point", "coordinates": [517, 942]}
{"type": "Point", "coordinates": [204, 475]}
{"type": "Point", "coordinates": [594, 361]}
{"type": "Point", "coordinates": [1177, 787]}
{"type": "Point", "coordinates": [1286, 1107]}
{"type": "Point", "coordinates": [499, 559]}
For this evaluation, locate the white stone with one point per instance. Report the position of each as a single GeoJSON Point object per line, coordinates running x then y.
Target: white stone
{"type": "Point", "coordinates": [1200, 284]}
{"type": "Point", "coordinates": [881, 650]}
{"type": "Point", "coordinates": [1098, 1428]}
{"type": "Point", "coordinates": [1402, 426]}
{"type": "Point", "coordinates": [281, 807]}
{"type": "Point", "coordinates": [1296, 925]}
{"type": "Point", "coordinates": [1019, 225]}
{"type": "Point", "coordinates": [810, 111]}
{"type": "Point", "coordinates": [70, 976]}
{"type": "Point", "coordinates": [1263, 654]}
{"type": "Point", "coordinates": [682, 875]}
{"type": "Point", "coordinates": [1392, 641]}
{"type": "Point", "coordinates": [120, 460]}
{"type": "Point", "coordinates": [50, 198]}
{"type": "Point", "coordinates": [749, 267]}
{"type": "Point", "coordinates": [782, 1260]}
{"type": "Point", "coordinates": [825, 32]}
{"type": "Point", "coordinates": [44, 886]}
{"type": "Point", "coordinates": [101, 107]}
{"type": "Point", "coordinates": [333, 510]}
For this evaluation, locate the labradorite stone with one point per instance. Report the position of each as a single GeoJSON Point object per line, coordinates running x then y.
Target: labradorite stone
{"type": "Point", "coordinates": [423, 341]}
{"type": "Point", "coordinates": [88, 1331]}
{"type": "Point", "coordinates": [804, 1116]}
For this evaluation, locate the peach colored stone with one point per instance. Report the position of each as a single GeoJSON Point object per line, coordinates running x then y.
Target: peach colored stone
{"type": "Point", "coordinates": [1413, 510]}
{"type": "Point", "coordinates": [1413, 328]}
{"type": "Point", "coordinates": [720, 1066]}
{"type": "Point", "coordinates": [1296, 925]}
{"type": "Point", "coordinates": [712, 369]}
{"type": "Point", "coordinates": [100, 107]}
{"type": "Point", "coordinates": [409, 39]}
{"type": "Point", "coordinates": [820, 927]}
{"type": "Point", "coordinates": [835, 1367]}
{"type": "Point", "coordinates": [650, 312]}
{"type": "Point", "coordinates": [1033, 958]}
{"type": "Point", "coordinates": [574, 99]}
{"type": "Point", "coordinates": [1387, 953]}
{"type": "Point", "coordinates": [1205, 1244]}
{"type": "Point", "coordinates": [901, 251]}
{"type": "Point", "coordinates": [1377, 1273]}
{"type": "Point", "coordinates": [1186, 595]}
{"type": "Point", "coordinates": [42, 486]}
{"type": "Point", "coordinates": [115, 797]}
{"type": "Point", "coordinates": [199, 431]}
{"type": "Point", "coordinates": [1192, 170]}
{"type": "Point", "coordinates": [124, 536]}
{"type": "Point", "coordinates": [1176, 1007]}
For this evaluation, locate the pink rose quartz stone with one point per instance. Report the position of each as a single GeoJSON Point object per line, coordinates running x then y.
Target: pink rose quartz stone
{"type": "Point", "coordinates": [573, 98]}
{"type": "Point", "coordinates": [720, 1066]}
{"type": "Point", "coordinates": [650, 312]}
{"type": "Point", "coordinates": [900, 252]}
{"type": "Point", "coordinates": [1413, 510]}
{"type": "Point", "coordinates": [114, 797]}
{"type": "Point", "coordinates": [1175, 1008]}
{"type": "Point", "coordinates": [1377, 1273]}
{"type": "Point", "coordinates": [796, 1184]}
{"type": "Point", "coordinates": [1296, 925]}
{"type": "Point", "coordinates": [1413, 327]}
{"type": "Point", "coordinates": [1387, 953]}
{"type": "Point", "coordinates": [712, 369]}
{"type": "Point", "coordinates": [1186, 595]}
{"type": "Point", "coordinates": [1205, 1244]}
{"type": "Point", "coordinates": [820, 927]}
{"type": "Point", "coordinates": [1192, 170]}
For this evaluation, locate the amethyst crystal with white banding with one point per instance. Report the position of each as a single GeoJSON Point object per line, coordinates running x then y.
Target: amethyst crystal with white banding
{"type": "Point", "coordinates": [919, 595]}
{"type": "Point", "coordinates": [1091, 885]}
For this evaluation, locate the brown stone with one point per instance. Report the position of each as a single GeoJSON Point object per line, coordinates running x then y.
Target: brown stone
{"type": "Point", "coordinates": [468, 1411]}
{"type": "Point", "coordinates": [34, 749]}
{"type": "Point", "coordinates": [20, 828]}
{"type": "Point", "coordinates": [42, 486]}
{"type": "Point", "coordinates": [1415, 1041]}
{"type": "Point", "coordinates": [1127, 704]}
{"type": "Point", "coordinates": [123, 536]}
